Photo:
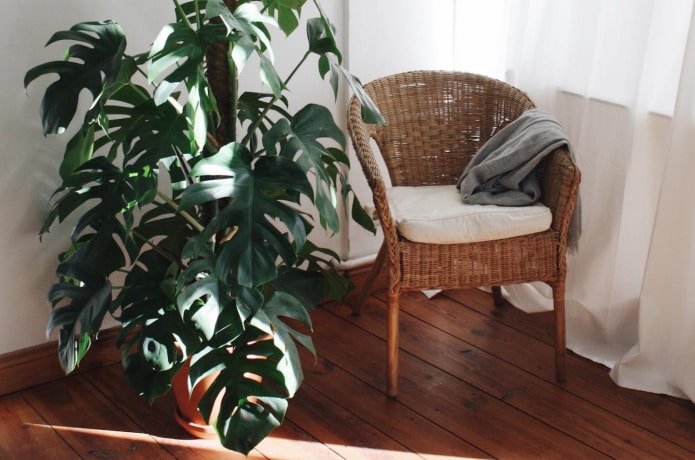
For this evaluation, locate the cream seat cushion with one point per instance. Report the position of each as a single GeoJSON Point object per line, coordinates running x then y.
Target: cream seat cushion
{"type": "Point", "coordinates": [437, 214]}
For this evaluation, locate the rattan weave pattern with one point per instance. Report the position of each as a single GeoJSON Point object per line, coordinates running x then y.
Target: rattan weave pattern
{"type": "Point", "coordinates": [436, 121]}
{"type": "Point", "coordinates": [489, 263]}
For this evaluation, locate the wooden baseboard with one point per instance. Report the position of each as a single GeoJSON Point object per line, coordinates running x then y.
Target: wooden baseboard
{"type": "Point", "coordinates": [39, 364]}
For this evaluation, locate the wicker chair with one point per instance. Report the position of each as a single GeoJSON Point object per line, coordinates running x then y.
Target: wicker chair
{"type": "Point", "coordinates": [436, 121]}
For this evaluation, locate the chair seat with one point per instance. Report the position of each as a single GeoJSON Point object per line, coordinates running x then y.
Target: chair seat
{"type": "Point", "coordinates": [437, 214]}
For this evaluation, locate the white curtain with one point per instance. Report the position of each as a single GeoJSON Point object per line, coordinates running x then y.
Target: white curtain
{"type": "Point", "coordinates": [620, 75]}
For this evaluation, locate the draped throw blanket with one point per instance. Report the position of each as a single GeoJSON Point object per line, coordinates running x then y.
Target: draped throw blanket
{"type": "Point", "coordinates": [504, 170]}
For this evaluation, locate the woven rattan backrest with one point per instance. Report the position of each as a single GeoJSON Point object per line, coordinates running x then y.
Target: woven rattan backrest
{"type": "Point", "coordinates": [437, 120]}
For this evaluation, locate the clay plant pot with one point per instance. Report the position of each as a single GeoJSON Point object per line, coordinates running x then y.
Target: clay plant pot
{"type": "Point", "coordinates": [187, 414]}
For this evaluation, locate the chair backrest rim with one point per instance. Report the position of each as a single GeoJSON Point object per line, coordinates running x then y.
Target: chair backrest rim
{"type": "Point", "coordinates": [437, 120]}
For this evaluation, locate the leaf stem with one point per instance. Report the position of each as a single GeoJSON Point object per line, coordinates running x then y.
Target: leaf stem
{"type": "Point", "coordinates": [197, 14]}
{"type": "Point", "coordinates": [156, 248]}
{"type": "Point", "coordinates": [185, 167]}
{"type": "Point", "coordinates": [182, 14]}
{"type": "Point", "coordinates": [272, 101]}
{"type": "Point", "coordinates": [184, 214]}
{"type": "Point", "coordinates": [296, 68]}
{"type": "Point", "coordinates": [213, 142]}
{"type": "Point", "coordinates": [234, 88]}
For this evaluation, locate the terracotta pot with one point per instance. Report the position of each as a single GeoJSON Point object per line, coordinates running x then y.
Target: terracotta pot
{"type": "Point", "coordinates": [187, 414]}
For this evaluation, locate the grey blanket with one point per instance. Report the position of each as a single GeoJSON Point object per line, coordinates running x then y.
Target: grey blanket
{"type": "Point", "coordinates": [503, 172]}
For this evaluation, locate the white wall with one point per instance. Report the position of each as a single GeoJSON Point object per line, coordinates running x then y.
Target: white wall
{"type": "Point", "coordinates": [30, 161]}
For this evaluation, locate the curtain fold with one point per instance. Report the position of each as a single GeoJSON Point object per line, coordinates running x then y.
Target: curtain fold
{"type": "Point", "coordinates": [621, 79]}
{"type": "Point", "coordinates": [663, 358]}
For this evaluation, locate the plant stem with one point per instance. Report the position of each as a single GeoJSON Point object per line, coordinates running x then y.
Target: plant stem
{"type": "Point", "coordinates": [234, 88]}
{"type": "Point", "coordinates": [156, 248]}
{"type": "Point", "coordinates": [197, 14]}
{"type": "Point", "coordinates": [182, 14]}
{"type": "Point", "coordinates": [326, 21]}
{"type": "Point", "coordinates": [184, 214]}
{"type": "Point", "coordinates": [296, 68]}
{"type": "Point", "coordinates": [213, 142]}
{"type": "Point", "coordinates": [184, 166]}
{"type": "Point", "coordinates": [270, 104]}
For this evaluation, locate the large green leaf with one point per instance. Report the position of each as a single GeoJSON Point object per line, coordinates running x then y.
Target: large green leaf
{"type": "Point", "coordinates": [151, 133]}
{"type": "Point", "coordinates": [104, 194]}
{"type": "Point", "coordinates": [84, 297]}
{"type": "Point", "coordinates": [323, 43]}
{"type": "Point", "coordinates": [256, 376]}
{"type": "Point", "coordinates": [270, 319]}
{"type": "Point", "coordinates": [154, 339]}
{"type": "Point", "coordinates": [253, 187]}
{"type": "Point", "coordinates": [169, 230]}
{"type": "Point", "coordinates": [252, 389]}
{"type": "Point", "coordinates": [117, 117]}
{"type": "Point", "coordinates": [246, 28]}
{"type": "Point", "coordinates": [215, 307]}
{"type": "Point", "coordinates": [141, 131]}
{"type": "Point", "coordinates": [78, 151]}
{"type": "Point", "coordinates": [301, 141]}
{"type": "Point", "coordinates": [97, 60]}
{"type": "Point", "coordinates": [321, 38]}
{"type": "Point", "coordinates": [320, 261]}
{"type": "Point", "coordinates": [181, 48]}
{"type": "Point", "coordinates": [370, 112]}
{"type": "Point", "coordinates": [256, 109]}
{"type": "Point", "coordinates": [287, 11]}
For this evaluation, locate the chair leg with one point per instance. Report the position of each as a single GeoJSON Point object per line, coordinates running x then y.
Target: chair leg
{"type": "Point", "coordinates": [373, 273]}
{"type": "Point", "coordinates": [497, 296]}
{"type": "Point", "coordinates": [560, 331]}
{"type": "Point", "coordinates": [392, 346]}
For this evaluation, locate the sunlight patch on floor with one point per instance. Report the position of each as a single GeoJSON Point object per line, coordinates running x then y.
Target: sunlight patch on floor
{"type": "Point", "coordinates": [129, 437]}
{"type": "Point", "coordinates": [276, 448]}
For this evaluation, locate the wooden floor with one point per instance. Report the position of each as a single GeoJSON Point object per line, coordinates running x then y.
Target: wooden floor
{"type": "Point", "coordinates": [476, 382]}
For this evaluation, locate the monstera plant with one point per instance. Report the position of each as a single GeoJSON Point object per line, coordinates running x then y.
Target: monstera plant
{"type": "Point", "coordinates": [192, 202]}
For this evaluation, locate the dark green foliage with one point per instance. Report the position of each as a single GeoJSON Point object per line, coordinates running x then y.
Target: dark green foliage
{"type": "Point", "coordinates": [198, 247]}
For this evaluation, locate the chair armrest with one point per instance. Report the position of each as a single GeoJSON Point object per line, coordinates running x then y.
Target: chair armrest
{"type": "Point", "coordinates": [560, 179]}
{"type": "Point", "coordinates": [361, 134]}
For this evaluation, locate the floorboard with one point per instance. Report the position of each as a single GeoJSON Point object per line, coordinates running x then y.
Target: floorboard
{"type": "Point", "coordinates": [392, 416]}
{"type": "Point", "coordinates": [496, 359]}
{"type": "Point", "coordinates": [476, 381]}
{"type": "Point", "coordinates": [671, 418]}
{"type": "Point", "coordinates": [348, 434]}
{"type": "Point", "coordinates": [90, 423]}
{"type": "Point", "coordinates": [488, 423]}
{"type": "Point", "coordinates": [25, 434]}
